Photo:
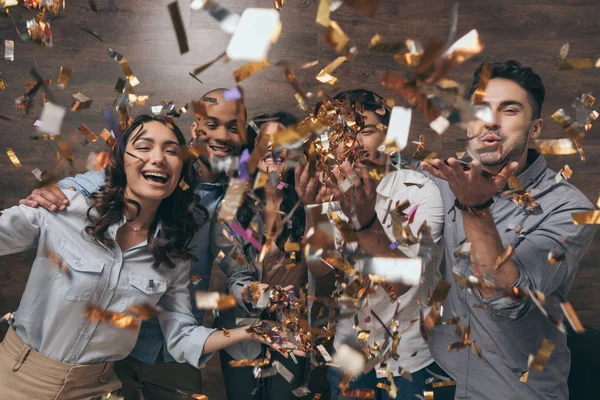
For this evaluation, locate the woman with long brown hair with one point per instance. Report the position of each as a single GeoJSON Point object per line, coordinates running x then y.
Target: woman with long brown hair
{"type": "Point", "coordinates": [101, 266]}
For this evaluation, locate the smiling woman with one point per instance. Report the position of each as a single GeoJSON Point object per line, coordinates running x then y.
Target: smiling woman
{"type": "Point", "coordinates": [76, 319]}
{"type": "Point", "coordinates": [143, 178]}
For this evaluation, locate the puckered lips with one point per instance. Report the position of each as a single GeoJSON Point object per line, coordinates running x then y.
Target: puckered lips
{"type": "Point", "coordinates": [156, 177]}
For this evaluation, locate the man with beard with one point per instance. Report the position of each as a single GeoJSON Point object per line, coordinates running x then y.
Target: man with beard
{"type": "Point", "coordinates": [533, 247]}
{"type": "Point", "coordinates": [150, 368]}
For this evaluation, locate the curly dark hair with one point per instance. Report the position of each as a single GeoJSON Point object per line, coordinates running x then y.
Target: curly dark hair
{"type": "Point", "coordinates": [524, 76]}
{"type": "Point", "coordinates": [176, 213]}
{"type": "Point", "coordinates": [294, 230]}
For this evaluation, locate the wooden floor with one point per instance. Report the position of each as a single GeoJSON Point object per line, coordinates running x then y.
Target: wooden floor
{"type": "Point", "coordinates": [527, 30]}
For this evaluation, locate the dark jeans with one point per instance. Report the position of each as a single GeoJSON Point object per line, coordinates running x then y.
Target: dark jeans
{"type": "Point", "coordinates": [163, 380]}
{"type": "Point", "coordinates": [406, 390]}
{"type": "Point", "coordinates": [436, 375]}
{"type": "Point", "coordinates": [240, 382]}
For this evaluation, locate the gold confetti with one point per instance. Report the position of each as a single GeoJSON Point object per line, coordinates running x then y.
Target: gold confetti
{"type": "Point", "coordinates": [336, 37]}
{"type": "Point", "coordinates": [203, 67]}
{"type": "Point", "coordinates": [183, 185]}
{"type": "Point", "coordinates": [81, 102]}
{"type": "Point", "coordinates": [539, 360]}
{"type": "Point", "coordinates": [88, 133]}
{"type": "Point", "coordinates": [572, 317]}
{"type": "Point", "coordinates": [214, 301]}
{"type": "Point", "coordinates": [259, 362]}
{"type": "Point", "coordinates": [13, 157]}
{"type": "Point", "coordinates": [324, 12]}
{"type": "Point", "coordinates": [504, 257]}
{"type": "Point", "coordinates": [325, 74]}
{"type": "Point", "coordinates": [116, 319]}
{"type": "Point", "coordinates": [64, 76]}
{"type": "Point", "coordinates": [524, 377]}
{"type": "Point", "coordinates": [179, 27]}
{"type": "Point", "coordinates": [377, 44]}
{"type": "Point", "coordinates": [436, 385]}
{"type": "Point", "coordinates": [555, 146]}
{"type": "Point", "coordinates": [484, 77]}
{"type": "Point", "coordinates": [586, 217]}
{"type": "Point", "coordinates": [249, 69]}
{"type": "Point", "coordinates": [108, 137]}
{"type": "Point", "coordinates": [143, 311]}
{"type": "Point", "coordinates": [226, 332]}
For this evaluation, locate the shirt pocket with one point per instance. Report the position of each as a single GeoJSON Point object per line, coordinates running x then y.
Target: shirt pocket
{"type": "Point", "coordinates": [80, 280]}
{"type": "Point", "coordinates": [146, 289]}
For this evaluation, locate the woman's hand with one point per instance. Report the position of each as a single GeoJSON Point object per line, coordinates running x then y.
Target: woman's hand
{"type": "Point", "coordinates": [265, 334]}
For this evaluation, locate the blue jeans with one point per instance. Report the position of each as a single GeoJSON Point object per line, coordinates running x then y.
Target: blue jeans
{"type": "Point", "coordinates": [406, 389]}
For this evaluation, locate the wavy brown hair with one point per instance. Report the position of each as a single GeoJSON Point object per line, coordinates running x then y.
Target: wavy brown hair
{"type": "Point", "coordinates": [180, 214]}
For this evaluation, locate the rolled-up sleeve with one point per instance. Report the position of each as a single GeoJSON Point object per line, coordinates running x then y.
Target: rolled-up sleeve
{"type": "Point", "coordinates": [557, 233]}
{"type": "Point", "coordinates": [184, 337]}
{"type": "Point", "coordinates": [85, 184]}
{"type": "Point", "coordinates": [238, 274]}
{"type": "Point", "coordinates": [20, 228]}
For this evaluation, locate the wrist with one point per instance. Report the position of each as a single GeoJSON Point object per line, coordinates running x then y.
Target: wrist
{"type": "Point", "coordinates": [368, 225]}
{"type": "Point", "coordinates": [474, 207]}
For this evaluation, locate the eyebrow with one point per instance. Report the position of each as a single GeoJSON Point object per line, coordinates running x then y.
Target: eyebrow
{"type": "Point", "coordinates": [166, 142]}
{"type": "Point", "coordinates": [215, 119]}
{"type": "Point", "coordinates": [506, 103]}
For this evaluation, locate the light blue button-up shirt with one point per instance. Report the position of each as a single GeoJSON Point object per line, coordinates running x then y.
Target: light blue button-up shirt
{"type": "Point", "coordinates": [50, 317]}
{"type": "Point", "coordinates": [150, 340]}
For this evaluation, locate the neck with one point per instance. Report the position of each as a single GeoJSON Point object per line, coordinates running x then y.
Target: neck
{"type": "Point", "coordinates": [147, 213]}
{"type": "Point", "coordinates": [208, 176]}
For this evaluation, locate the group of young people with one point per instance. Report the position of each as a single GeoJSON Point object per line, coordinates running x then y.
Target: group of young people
{"type": "Point", "coordinates": [144, 231]}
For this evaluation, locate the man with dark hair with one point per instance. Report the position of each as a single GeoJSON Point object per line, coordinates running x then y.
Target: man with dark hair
{"type": "Point", "coordinates": [510, 247]}
{"type": "Point", "coordinates": [381, 312]}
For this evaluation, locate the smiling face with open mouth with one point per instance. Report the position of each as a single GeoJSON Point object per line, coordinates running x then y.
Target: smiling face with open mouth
{"type": "Point", "coordinates": [220, 128]}
{"type": "Point", "coordinates": [153, 163]}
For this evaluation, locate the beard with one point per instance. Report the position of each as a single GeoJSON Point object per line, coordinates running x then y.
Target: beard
{"type": "Point", "coordinates": [505, 154]}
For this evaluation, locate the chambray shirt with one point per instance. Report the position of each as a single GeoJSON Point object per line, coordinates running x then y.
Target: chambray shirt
{"type": "Point", "coordinates": [50, 317]}
{"type": "Point", "coordinates": [509, 330]}
{"type": "Point", "coordinates": [397, 187]}
{"type": "Point", "coordinates": [150, 340]}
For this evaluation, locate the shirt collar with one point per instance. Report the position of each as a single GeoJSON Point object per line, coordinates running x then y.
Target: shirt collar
{"type": "Point", "coordinates": [536, 166]}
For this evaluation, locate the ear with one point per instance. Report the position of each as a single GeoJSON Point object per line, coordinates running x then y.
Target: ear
{"type": "Point", "coordinates": [536, 128]}
{"type": "Point", "coordinates": [194, 130]}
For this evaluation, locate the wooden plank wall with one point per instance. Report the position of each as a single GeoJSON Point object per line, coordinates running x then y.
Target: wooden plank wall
{"type": "Point", "coordinates": [527, 30]}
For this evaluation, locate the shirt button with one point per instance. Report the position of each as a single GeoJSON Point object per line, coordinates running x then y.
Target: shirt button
{"type": "Point", "coordinates": [112, 287]}
{"type": "Point", "coordinates": [72, 357]}
{"type": "Point", "coordinates": [86, 335]}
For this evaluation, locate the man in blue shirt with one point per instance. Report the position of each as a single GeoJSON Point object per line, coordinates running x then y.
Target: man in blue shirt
{"type": "Point", "coordinates": [150, 368]}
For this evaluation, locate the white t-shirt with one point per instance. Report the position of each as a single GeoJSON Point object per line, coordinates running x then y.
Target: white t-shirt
{"type": "Point", "coordinates": [421, 192]}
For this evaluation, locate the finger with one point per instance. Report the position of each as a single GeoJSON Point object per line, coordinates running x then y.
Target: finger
{"type": "Point", "coordinates": [506, 172]}
{"type": "Point", "coordinates": [459, 173]}
{"type": "Point", "coordinates": [49, 195]}
{"type": "Point", "coordinates": [347, 168]}
{"type": "Point", "coordinates": [432, 170]}
{"type": "Point", "coordinates": [369, 183]}
{"type": "Point", "coordinates": [42, 202]}
{"type": "Point", "coordinates": [62, 197]}
{"type": "Point", "coordinates": [311, 189]}
{"type": "Point", "coordinates": [323, 192]}
{"type": "Point", "coordinates": [29, 203]}
{"type": "Point", "coordinates": [443, 168]}
{"type": "Point", "coordinates": [288, 288]}
{"type": "Point", "coordinates": [476, 168]}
